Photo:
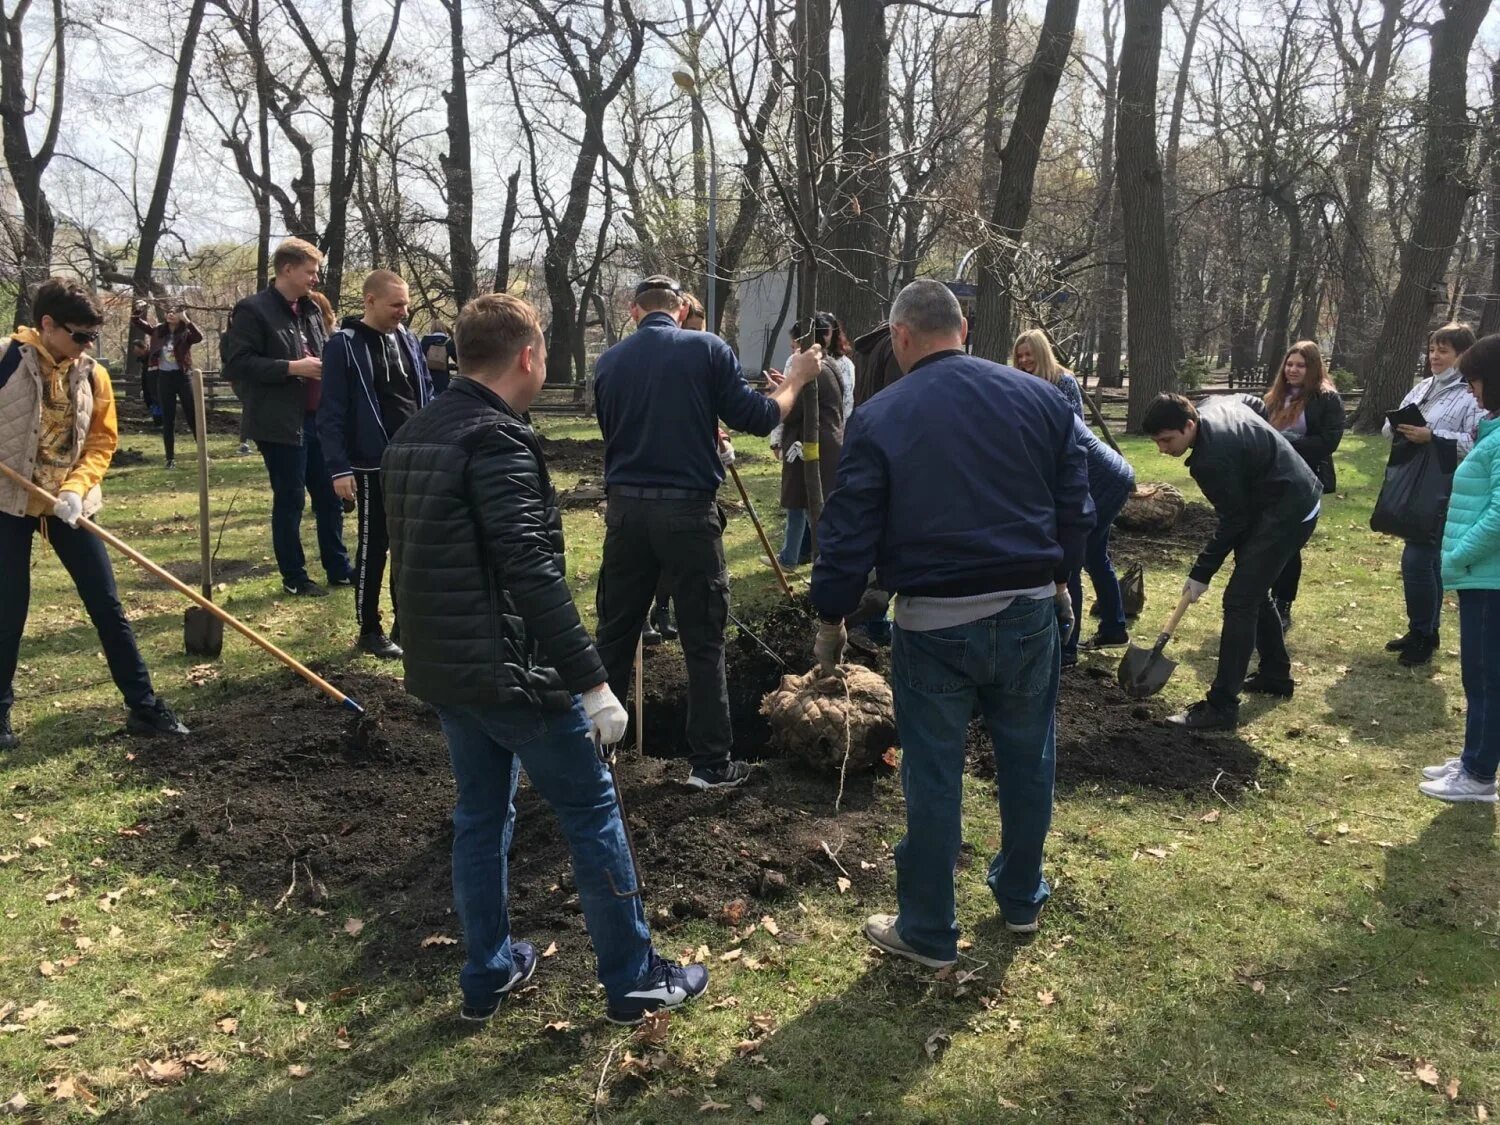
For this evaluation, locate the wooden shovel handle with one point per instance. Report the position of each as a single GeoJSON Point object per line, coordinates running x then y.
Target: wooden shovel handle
{"type": "Point", "coordinates": [188, 592]}
{"type": "Point", "coordinates": [1173, 621]}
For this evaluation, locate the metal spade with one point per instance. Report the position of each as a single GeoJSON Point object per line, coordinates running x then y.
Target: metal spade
{"type": "Point", "coordinates": [1145, 671]}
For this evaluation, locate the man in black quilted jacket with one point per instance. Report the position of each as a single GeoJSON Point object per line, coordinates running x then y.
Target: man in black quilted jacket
{"type": "Point", "coordinates": [492, 640]}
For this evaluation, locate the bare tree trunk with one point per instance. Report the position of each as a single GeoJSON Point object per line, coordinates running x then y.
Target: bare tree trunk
{"type": "Point", "coordinates": [1284, 285]}
{"type": "Point", "coordinates": [1351, 342]}
{"type": "Point", "coordinates": [1111, 318]}
{"type": "Point", "coordinates": [25, 165]}
{"type": "Point", "coordinates": [994, 102]}
{"type": "Point", "coordinates": [1179, 102]}
{"type": "Point", "coordinates": [156, 211]}
{"type": "Point", "coordinates": [857, 291]}
{"type": "Point", "coordinates": [1446, 189]}
{"type": "Point", "coordinates": [812, 81]}
{"type": "Point", "coordinates": [1018, 162]}
{"type": "Point", "coordinates": [1489, 321]}
{"type": "Point", "coordinates": [1150, 339]}
{"type": "Point", "coordinates": [458, 163]}
{"type": "Point", "coordinates": [507, 231]}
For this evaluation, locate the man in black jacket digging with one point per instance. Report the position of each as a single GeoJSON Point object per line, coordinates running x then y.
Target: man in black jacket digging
{"type": "Point", "coordinates": [1268, 502]}
{"type": "Point", "coordinates": [493, 641]}
{"type": "Point", "coordinates": [272, 352]}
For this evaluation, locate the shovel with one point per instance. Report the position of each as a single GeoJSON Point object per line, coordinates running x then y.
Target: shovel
{"type": "Point", "coordinates": [202, 632]}
{"type": "Point", "coordinates": [1145, 671]}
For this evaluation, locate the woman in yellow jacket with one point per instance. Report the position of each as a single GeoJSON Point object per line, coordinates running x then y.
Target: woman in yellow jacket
{"type": "Point", "coordinates": [57, 429]}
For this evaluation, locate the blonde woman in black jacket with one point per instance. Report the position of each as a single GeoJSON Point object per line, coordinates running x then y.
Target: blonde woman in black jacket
{"type": "Point", "coordinates": [1305, 406]}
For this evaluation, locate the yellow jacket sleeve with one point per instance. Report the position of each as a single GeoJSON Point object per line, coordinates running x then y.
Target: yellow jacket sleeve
{"type": "Point", "coordinates": [99, 444]}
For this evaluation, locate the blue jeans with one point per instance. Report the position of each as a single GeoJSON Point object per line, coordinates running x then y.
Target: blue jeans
{"type": "Point", "coordinates": [1479, 654]}
{"type": "Point", "coordinates": [798, 540]}
{"type": "Point", "coordinates": [1422, 582]}
{"type": "Point", "coordinates": [1007, 665]}
{"type": "Point", "coordinates": [1101, 572]}
{"type": "Point", "coordinates": [488, 746]}
{"type": "Point", "coordinates": [297, 471]}
{"type": "Point", "coordinates": [87, 563]}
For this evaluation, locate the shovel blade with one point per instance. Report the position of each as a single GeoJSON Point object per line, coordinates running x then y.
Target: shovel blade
{"type": "Point", "coordinates": [1144, 671]}
{"type": "Point", "coordinates": [202, 633]}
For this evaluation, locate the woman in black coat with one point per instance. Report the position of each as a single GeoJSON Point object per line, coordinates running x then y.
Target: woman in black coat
{"type": "Point", "coordinates": [1306, 407]}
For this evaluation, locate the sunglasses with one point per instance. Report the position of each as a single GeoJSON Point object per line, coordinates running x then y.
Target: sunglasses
{"type": "Point", "coordinates": [84, 337]}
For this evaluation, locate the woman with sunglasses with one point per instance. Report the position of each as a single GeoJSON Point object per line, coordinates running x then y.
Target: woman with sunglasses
{"type": "Point", "coordinates": [57, 429]}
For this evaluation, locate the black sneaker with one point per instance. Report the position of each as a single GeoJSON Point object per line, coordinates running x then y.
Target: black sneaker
{"type": "Point", "coordinates": [664, 985]}
{"type": "Point", "coordinates": [522, 965]}
{"type": "Point", "coordinates": [1203, 715]}
{"type": "Point", "coordinates": [727, 776]}
{"type": "Point", "coordinates": [649, 636]}
{"type": "Point", "coordinates": [1419, 652]}
{"type": "Point", "coordinates": [153, 720]}
{"type": "Point", "coordinates": [9, 740]}
{"type": "Point", "coordinates": [1404, 642]}
{"type": "Point", "coordinates": [307, 588]}
{"type": "Point", "coordinates": [661, 619]}
{"type": "Point", "coordinates": [378, 644]}
{"type": "Point", "coordinates": [171, 464]}
{"type": "Point", "coordinates": [1101, 639]}
{"type": "Point", "coordinates": [341, 580]}
{"type": "Point", "coordinates": [1259, 684]}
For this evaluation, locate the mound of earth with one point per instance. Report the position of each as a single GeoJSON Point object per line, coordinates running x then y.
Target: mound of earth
{"type": "Point", "coordinates": [280, 794]}
{"type": "Point", "coordinates": [1192, 530]}
{"type": "Point", "coordinates": [574, 455]}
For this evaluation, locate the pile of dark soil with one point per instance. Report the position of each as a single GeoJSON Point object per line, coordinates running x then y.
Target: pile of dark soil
{"type": "Point", "coordinates": [279, 789]}
{"type": "Point", "coordinates": [223, 570]}
{"type": "Point", "coordinates": [574, 455]}
{"type": "Point", "coordinates": [1193, 529]}
{"type": "Point", "coordinates": [134, 419]}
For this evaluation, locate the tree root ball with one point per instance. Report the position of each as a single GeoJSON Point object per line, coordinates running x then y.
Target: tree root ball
{"type": "Point", "coordinates": [1153, 509]}
{"type": "Point", "coordinates": [816, 718]}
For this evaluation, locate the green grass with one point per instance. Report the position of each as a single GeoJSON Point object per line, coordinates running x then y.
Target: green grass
{"type": "Point", "coordinates": [1296, 954]}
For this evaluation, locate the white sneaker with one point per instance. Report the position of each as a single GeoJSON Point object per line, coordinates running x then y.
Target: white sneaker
{"type": "Point", "coordinates": [1459, 786]}
{"type": "Point", "coordinates": [880, 930]}
{"type": "Point", "coordinates": [1432, 773]}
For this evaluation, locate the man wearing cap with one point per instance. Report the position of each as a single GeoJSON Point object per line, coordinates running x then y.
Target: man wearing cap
{"type": "Point", "coordinates": [659, 394]}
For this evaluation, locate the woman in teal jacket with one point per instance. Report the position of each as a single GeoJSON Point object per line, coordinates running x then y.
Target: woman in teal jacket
{"type": "Point", "coordinates": [1471, 565]}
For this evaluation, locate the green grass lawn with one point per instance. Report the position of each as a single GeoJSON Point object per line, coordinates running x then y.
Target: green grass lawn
{"type": "Point", "coordinates": [1324, 949]}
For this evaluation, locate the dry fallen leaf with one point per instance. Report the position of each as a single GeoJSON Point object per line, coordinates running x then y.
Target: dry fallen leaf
{"type": "Point", "coordinates": [1210, 817]}
{"type": "Point", "coordinates": [712, 1106]}
{"type": "Point", "coordinates": [163, 1072]}
{"type": "Point", "coordinates": [768, 923]}
{"type": "Point", "coordinates": [297, 1070]}
{"type": "Point", "coordinates": [755, 1102]}
{"type": "Point", "coordinates": [353, 926]}
{"type": "Point", "coordinates": [227, 1024]}
{"type": "Point", "coordinates": [301, 1006]}
{"type": "Point", "coordinates": [9, 858]}
{"type": "Point", "coordinates": [732, 955]}
{"type": "Point", "coordinates": [47, 969]}
{"type": "Point", "coordinates": [551, 950]}
{"type": "Point", "coordinates": [57, 896]}
{"type": "Point", "coordinates": [1426, 1073]}
{"type": "Point", "coordinates": [37, 843]}
{"type": "Point", "coordinates": [66, 1088]}
{"type": "Point", "coordinates": [937, 1043]}
{"type": "Point", "coordinates": [1046, 998]}
{"type": "Point", "coordinates": [1258, 987]}
{"type": "Point", "coordinates": [557, 1027]}
{"type": "Point", "coordinates": [844, 884]}
{"type": "Point", "coordinates": [818, 1119]}
{"type": "Point", "coordinates": [57, 1042]}
{"type": "Point", "coordinates": [653, 1030]}
{"type": "Point", "coordinates": [1481, 1112]}
{"type": "Point", "coordinates": [16, 1106]}
{"type": "Point", "coordinates": [438, 939]}
{"type": "Point", "coordinates": [733, 913]}
{"type": "Point", "coordinates": [1159, 853]}
{"type": "Point", "coordinates": [1452, 1089]}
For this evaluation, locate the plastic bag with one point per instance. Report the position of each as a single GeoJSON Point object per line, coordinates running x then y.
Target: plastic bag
{"type": "Point", "coordinates": [1133, 589]}
{"type": "Point", "coordinates": [1413, 501]}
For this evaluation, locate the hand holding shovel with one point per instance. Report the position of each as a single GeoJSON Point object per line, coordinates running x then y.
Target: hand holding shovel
{"type": "Point", "coordinates": [1145, 671]}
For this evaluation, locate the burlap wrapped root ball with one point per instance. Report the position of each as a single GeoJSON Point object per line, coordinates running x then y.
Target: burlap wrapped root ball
{"type": "Point", "coordinates": [1152, 509]}
{"type": "Point", "coordinates": [814, 718]}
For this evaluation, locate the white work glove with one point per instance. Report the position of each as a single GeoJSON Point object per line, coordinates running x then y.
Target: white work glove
{"type": "Point", "coordinates": [828, 649]}
{"type": "Point", "coordinates": [607, 717]}
{"type": "Point", "coordinates": [1194, 589]}
{"type": "Point", "coordinates": [793, 452]}
{"type": "Point", "coordinates": [1064, 602]}
{"type": "Point", "coordinates": [726, 450]}
{"type": "Point", "coordinates": [69, 508]}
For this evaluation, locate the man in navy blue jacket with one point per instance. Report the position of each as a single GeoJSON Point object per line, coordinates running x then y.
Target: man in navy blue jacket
{"type": "Point", "coordinates": [374, 380]}
{"type": "Point", "coordinates": [964, 487]}
{"type": "Point", "coordinates": [660, 393]}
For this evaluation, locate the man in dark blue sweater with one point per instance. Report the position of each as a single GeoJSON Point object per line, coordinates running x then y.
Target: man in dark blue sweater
{"type": "Point", "coordinates": [659, 394]}
{"type": "Point", "coordinates": [964, 487]}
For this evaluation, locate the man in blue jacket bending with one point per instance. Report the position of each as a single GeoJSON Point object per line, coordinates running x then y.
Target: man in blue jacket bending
{"type": "Point", "coordinates": [374, 380]}
{"type": "Point", "coordinates": [964, 487]}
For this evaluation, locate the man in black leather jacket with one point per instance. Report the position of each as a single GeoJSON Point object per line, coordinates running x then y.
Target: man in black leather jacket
{"type": "Point", "coordinates": [493, 640]}
{"type": "Point", "coordinates": [1267, 501]}
{"type": "Point", "coordinates": [272, 351]}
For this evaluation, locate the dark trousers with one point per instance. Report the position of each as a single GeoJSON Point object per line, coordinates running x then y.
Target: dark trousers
{"type": "Point", "coordinates": [1479, 654]}
{"type": "Point", "coordinates": [370, 553]}
{"type": "Point", "coordinates": [1101, 572]}
{"type": "Point", "coordinates": [297, 471]}
{"type": "Point", "coordinates": [173, 387]}
{"type": "Point", "coordinates": [1251, 623]}
{"type": "Point", "coordinates": [1422, 583]}
{"type": "Point", "coordinates": [1289, 580]}
{"type": "Point", "coordinates": [681, 540]}
{"type": "Point", "coordinates": [87, 563]}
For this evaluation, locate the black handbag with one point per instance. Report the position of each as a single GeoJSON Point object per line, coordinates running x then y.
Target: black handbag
{"type": "Point", "coordinates": [1413, 501]}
